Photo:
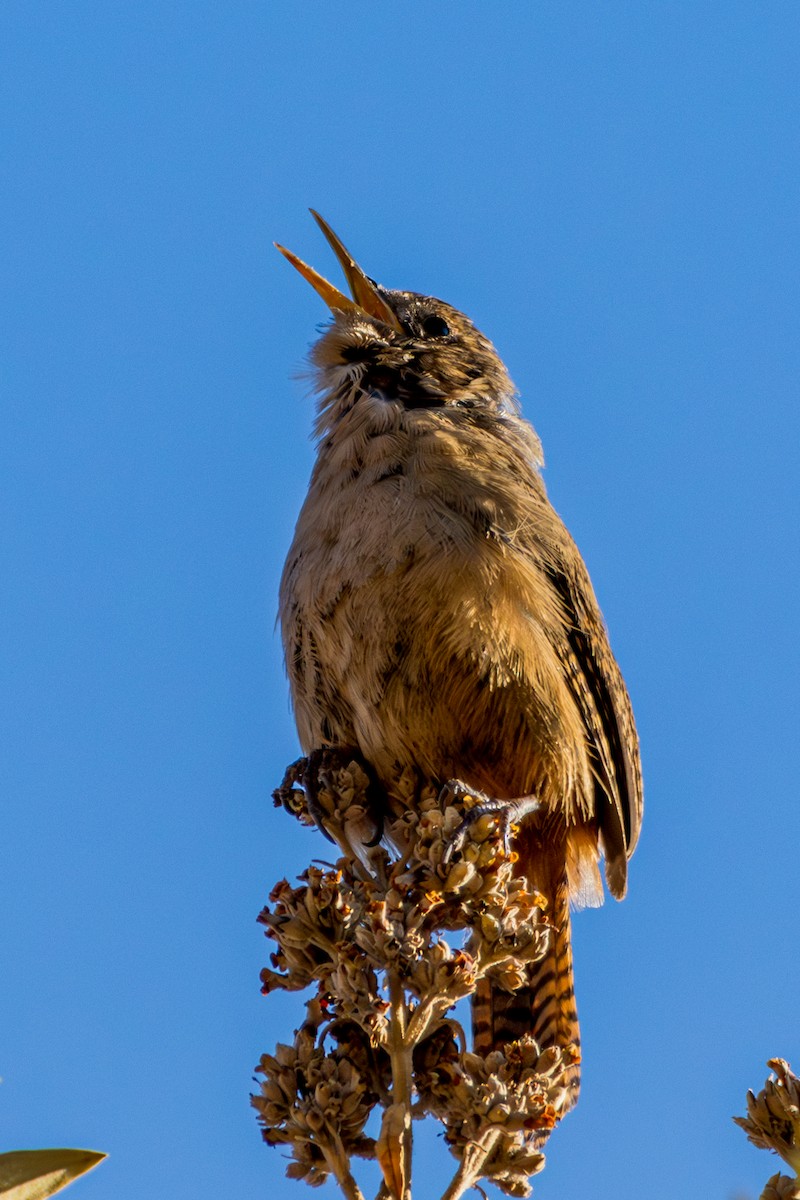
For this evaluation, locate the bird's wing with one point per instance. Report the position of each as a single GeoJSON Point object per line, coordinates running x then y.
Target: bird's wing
{"type": "Point", "coordinates": [599, 690]}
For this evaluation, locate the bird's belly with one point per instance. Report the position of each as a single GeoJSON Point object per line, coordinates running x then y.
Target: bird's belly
{"type": "Point", "coordinates": [432, 657]}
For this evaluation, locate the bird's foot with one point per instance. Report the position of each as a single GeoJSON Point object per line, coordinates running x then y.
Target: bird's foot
{"type": "Point", "coordinates": [509, 814]}
{"type": "Point", "coordinates": [317, 802]}
{"type": "Point", "coordinates": [291, 797]}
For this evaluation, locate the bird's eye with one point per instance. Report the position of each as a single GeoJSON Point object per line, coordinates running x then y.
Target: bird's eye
{"type": "Point", "coordinates": [435, 326]}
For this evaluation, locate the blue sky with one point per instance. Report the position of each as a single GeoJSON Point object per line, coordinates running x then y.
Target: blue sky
{"type": "Point", "coordinates": [611, 192]}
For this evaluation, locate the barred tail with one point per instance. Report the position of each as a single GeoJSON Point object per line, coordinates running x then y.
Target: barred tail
{"type": "Point", "coordinates": [544, 1008]}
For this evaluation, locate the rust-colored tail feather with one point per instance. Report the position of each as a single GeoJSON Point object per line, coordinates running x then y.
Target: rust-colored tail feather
{"type": "Point", "coordinates": [544, 1008]}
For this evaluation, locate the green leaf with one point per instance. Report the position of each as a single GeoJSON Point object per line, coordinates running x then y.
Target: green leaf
{"type": "Point", "coordinates": [35, 1174]}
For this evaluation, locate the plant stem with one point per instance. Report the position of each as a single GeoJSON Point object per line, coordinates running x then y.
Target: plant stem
{"type": "Point", "coordinates": [471, 1168]}
{"type": "Point", "coordinates": [337, 1161]}
{"type": "Point", "coordinates": [400, 1055]}
{"type": "Point", "coordinates": [350, 1189]}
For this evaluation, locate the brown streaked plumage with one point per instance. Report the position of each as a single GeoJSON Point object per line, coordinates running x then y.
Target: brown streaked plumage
{"type": "Point", "coordinates": [437, 615]}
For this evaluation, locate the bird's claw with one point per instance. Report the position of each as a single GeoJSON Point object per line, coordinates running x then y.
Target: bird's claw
{"type": "Point", "coordinates": [313, 774]}
{"type": "Point", "coordinates": [508, 814]}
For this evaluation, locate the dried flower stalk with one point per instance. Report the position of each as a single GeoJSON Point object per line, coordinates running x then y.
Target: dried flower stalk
{"type": "Point", "coordinates": [773, 1123]}
{"type": "Point", "coordinates": [367, 933]}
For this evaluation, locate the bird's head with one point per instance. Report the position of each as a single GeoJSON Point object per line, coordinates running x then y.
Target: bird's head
{"type": "Point", "coordinates": [399, 349]}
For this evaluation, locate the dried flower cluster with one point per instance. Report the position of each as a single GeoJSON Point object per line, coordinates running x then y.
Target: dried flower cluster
{"type": "Point", "coordinates": [367, 933]}
{"type": "Point", "coordinates": [781, 1187]}
{"type": "Point", "coordinates": [773, 1123]}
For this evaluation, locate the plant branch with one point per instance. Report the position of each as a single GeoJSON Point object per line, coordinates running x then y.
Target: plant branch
{"type": "Point", "coordinates": [472, 1163]}
{"type": "Point", "coordinates": [336, 1159]}
{"type": "Point", "coordinates": [396, 1137]}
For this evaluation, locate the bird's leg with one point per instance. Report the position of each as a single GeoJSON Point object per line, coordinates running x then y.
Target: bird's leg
{"type": "Point", "coordinates": [508, 813]}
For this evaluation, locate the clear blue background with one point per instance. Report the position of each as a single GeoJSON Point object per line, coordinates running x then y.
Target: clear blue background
{"type": "Point", "coordinates": [611, 191]}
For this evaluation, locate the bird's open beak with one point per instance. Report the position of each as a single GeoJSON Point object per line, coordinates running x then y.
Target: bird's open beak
{"type": "Point", "coordinates": [366, 297]}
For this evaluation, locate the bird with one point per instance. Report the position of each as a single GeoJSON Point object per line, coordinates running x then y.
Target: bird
{"type": "Point", "coordinates": [437, 616]}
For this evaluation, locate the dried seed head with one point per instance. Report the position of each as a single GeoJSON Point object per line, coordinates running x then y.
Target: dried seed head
{"type": "Point", "coordinates": [310, 1100]}
{"type": "Point", "coordinates": [781, 1187]}
{"type": "Point", "coordinates": [773, 1116]}
{"type": "Point", "coordinates": [346, 930]}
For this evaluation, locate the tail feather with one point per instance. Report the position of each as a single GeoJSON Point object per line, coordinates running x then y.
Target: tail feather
{"type": "Point", "coordinates": [544, 1008]}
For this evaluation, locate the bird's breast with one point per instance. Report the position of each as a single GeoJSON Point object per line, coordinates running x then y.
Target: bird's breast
{"type": "Point", "coordinates": [428, 624]}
